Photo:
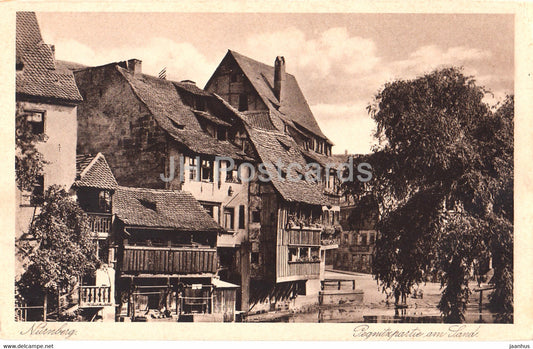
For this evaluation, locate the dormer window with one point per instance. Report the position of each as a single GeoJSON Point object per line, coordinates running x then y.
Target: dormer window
{"type": "Point", "coordinates": [148, 204]}
{"type": "Point", "coordinates": [221, 134]}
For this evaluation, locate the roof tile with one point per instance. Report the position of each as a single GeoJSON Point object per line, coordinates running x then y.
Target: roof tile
{"type": "Point", "coordinates": [94, 172]}
{"type": "Point", "coordinates": [179, 120]}
{"type": "Point", "coordinates": [40, 75]}
{"type": "Point", "coordinates": [154, 208]}
{"type": "Point", "coordinates": [277, 148]}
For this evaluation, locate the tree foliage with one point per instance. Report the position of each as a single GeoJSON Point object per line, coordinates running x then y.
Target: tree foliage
{"type": "Point", "coordinates": [443, 176]}
{"type": "Point", "coordinates": [28, 160]}
{"type": "Point", "coordinates": [60, 251]}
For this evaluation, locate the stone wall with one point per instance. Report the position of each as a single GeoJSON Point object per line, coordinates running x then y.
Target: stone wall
{"type": "Point", "coordinates": [113, 121]}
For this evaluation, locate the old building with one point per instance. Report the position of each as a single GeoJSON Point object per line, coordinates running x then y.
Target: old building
{"type": "Point", "coordinates": [292, 222]}
{"type": "Point", "coordinates": [162, 134]}
{"type": "Point", "coordinates": [48, 96]}
{"type": "Point", "coordinates": [359, 214]}
{"type": "Point", "coordinates": [157, 248]}
{"type": "Point", "coordinates": [359, 234]}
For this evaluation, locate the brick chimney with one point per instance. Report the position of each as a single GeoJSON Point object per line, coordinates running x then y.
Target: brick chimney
{"type": "Point", "coordinates": [53, 50]}
{"type": "Point", "coordinates": [135, 66]}
{"type": "Point", "coordinates": [279, 77]}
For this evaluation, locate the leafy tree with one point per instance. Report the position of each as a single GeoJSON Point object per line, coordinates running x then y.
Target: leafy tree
{"type": "Point", "coordinates": [28, 160]}
{"type": "Point", "coordinates": [60, 251]}
{"type": "Point", "coordinates": [443, 177]}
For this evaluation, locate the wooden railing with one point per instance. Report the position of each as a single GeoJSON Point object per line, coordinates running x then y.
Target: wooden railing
{"type": "Point", "coordinates": [309, 269]}
{"type": "Point", "coordinates": [168, 260]}
{"type": "Point", "coordinates": [303, 236]}
{"type": "Point", "coordinates": [94, 296]}
{"type": "Point", "coordinates": [100, 223]}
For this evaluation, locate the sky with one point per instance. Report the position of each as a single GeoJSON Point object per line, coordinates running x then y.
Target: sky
{"type": "Point", "coordinates": [339, 60]}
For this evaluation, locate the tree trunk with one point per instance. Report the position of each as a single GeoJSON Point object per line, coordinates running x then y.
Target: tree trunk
{"type": "Point", "coordinates": [45, 305]}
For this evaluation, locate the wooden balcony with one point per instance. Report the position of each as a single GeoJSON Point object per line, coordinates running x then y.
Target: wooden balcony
{"type": "Point", "coordinates": [304, 269]}
{"type": "Point", "coordinates": [303, 237]}
{"type": "Point", "coordinates": [100, 223]}
{"type": "Point", "coordinates": [168, 260]}
{"type": "Point", "coordinates": [94, 296]}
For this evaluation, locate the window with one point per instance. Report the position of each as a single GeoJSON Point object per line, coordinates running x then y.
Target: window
{"type": "Point", "coordinates": [231, 176]}
{"type": "Point", "coordinates": [210, 210]}
{"type": "Point", "coordinates": [256, 216]}
{"type": "Point", "coordinates": [331, 179]}
{"type": "Point", "coordinates": [221, 134]}
{"type": "Point", "coordinates": [192, 169]}
{"type": "Point", "coordinates": [207, 170]}
{"type": "Point", "coordinates": [229, 214]}
{"type": "Point", "coordinates": [255, 257]}
{"type": "Point", "coordinates": [363, 239]}
{"type": "Point", "coordinates": [293, 254]}
{"type": "Point", "coordinates": [241, 217]}
{"type": "Point", "coordinates": [243, 102]}
{"type": "Point", "coordinates": [234, 77]}
{"type": "Point", "coordinates": [315, 254]}
{"type": "Point", "coordinates": [325, 216]}
{"type": "Point", "coordinates": [104, 201]}
{"type": "Point", "coordinates": [36, 121]}
{"type": "Point", "coordinates": [371, 238]}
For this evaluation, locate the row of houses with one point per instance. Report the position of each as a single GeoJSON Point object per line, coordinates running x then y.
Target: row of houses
{"type": "Point", "coordinates": [168, 174]}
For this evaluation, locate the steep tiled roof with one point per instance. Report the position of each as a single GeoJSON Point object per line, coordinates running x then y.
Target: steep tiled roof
{"type": "Point", "coordinates": [273, 147]}
{"type": "Point", "coordinates": [94, 172]}
{"type": "Point", "coordinates": [40, 75]}
{"type": "Point", "coordinates": [73, 66]}
{"type": "Point", "coordinates": [191, 88]}
{"type": "Point", "coordinates": [153, 208]}
{"type": "Point", "coordinates": [260, 119]}
{"type": "Point", "coordinates": [211, 118]}
{"type": "Point", "coordinates": [82, 161]}
{"type": "Point", "coordinates": [293, 106]}
{"type": "Point", "coordinates": [167, 107]}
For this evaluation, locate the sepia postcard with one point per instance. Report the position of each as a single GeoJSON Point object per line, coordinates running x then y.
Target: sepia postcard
{"type": "Point", "coordinates": [266, 171]}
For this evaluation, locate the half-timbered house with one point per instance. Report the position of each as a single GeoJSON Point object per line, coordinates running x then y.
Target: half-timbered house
{"type": "Point", "coordinates": [159, 248]}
